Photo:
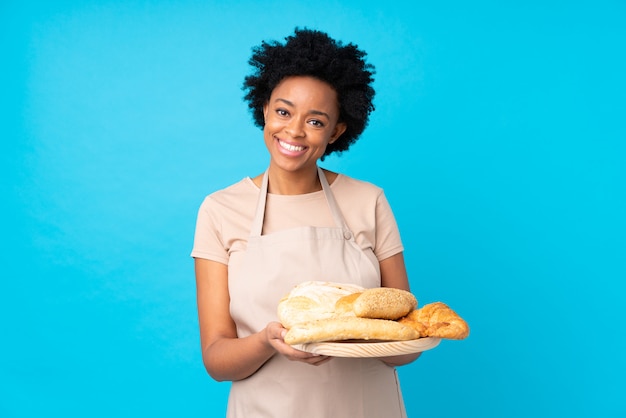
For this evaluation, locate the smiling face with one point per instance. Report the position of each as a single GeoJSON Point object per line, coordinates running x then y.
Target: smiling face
{"type": "Point", "coordinates": [300, 121]}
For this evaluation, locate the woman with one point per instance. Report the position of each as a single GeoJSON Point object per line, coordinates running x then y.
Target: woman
{"type": "Point", "coordinates": [258, 238]}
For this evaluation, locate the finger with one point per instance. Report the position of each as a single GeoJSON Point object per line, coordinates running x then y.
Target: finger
{"type": "Point", "coordinates": [322, 360]}
{"type": "Point", "coordinates": [316, 359]}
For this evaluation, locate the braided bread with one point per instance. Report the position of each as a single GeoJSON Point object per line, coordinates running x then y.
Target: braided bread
{"type": "Point", "coordinates": [437, 320]}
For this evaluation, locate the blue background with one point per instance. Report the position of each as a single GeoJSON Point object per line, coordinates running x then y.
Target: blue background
{"type": "Point", "coordinates": [499, 138]}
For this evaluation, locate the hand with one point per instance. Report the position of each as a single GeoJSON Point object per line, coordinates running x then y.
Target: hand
{"type": "Point", "coordinates": [275, 333]}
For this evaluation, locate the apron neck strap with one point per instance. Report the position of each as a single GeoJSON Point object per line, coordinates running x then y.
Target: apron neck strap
{"type": "Point", "coordinates": [332, 203]}
{"type": "Point", "coordinates": [257, 223]}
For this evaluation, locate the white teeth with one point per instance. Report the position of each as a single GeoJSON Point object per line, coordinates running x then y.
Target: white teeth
{"type": "Point", "coordinates": [290, 147]}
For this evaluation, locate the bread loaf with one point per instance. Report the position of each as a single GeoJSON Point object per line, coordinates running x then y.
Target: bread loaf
{"type": "Point", "coordinates": [313, 300]}
{"type": "Point", "coordinates": [345, 304]}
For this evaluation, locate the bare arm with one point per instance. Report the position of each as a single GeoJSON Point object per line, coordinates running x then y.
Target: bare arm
{"type": "Point", "coordinates": [393, 274]}
{"type": "Point", "coordinates": [225, 356]}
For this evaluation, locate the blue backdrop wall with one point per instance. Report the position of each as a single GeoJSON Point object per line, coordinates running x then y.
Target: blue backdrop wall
{"type": "Point", "coordinates": [499, 138]}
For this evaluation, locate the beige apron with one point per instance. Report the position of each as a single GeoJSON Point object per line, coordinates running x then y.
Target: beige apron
{"type": "Point", "coordinates": [273, 264]}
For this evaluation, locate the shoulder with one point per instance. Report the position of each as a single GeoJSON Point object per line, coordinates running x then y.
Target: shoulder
{"type": "Point", "coordinates": [234, 195]}
{"type": "Point", "coordinates": [352, 186]}
{"type": "Point", "coordinates": [355, 195]}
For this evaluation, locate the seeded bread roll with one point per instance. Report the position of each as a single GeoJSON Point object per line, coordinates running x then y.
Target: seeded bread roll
{"type": "Point", "coordinates": [349, 328]}
{"type": "Point", "coordinates": [384, 303]}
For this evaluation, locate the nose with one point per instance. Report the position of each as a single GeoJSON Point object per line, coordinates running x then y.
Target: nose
{"type": "Point", "coordinates": [295, 128]}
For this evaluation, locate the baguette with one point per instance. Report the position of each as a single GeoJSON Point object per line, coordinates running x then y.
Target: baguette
{"type": "Point", "coordinates": [349, 328]}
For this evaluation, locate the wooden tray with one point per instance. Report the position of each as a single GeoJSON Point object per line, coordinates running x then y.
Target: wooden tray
{"type": "Point", "coordinates": [369, 349]}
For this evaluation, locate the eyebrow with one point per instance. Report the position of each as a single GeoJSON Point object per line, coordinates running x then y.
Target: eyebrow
{"type": "Point", "coordinates": [314, 112]}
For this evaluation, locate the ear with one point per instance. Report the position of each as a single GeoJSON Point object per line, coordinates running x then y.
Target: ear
{"type": "Point", "coordinates": [340, 128]}
{"type": "Point", "coordinates": [265, 107]}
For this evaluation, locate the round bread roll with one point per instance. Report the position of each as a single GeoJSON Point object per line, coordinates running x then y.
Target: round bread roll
{"type": "Point", "coordinates": [384, 303]}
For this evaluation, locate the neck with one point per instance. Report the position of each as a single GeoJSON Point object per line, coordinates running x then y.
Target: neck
{"type": "Point", "coordinates": [281, 182]}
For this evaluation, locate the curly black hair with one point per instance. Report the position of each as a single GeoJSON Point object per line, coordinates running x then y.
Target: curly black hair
{"type": "Point", "coordinates": [314, 53]}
